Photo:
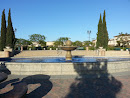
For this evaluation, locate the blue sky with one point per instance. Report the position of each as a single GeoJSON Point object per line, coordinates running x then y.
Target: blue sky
{"type": "Point", "coordinates": [66, 18]}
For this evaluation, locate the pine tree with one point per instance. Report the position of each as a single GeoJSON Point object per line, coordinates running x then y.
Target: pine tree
{"type": "Point", "coordinates": [3, 31]}
{"type": "Point", "coordinates": [100, 33]}
{"type": "Point", "coordinates": [10, 36]}
{"type": "Point", "coordinates": [105, 45]}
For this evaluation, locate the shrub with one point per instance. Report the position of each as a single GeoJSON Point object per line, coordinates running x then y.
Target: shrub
{"type": "Point", "coordinates": [110, 48]}
{"type": "Point", "coordinates": [91, 48]}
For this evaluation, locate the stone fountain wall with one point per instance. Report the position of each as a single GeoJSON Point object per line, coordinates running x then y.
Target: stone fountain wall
{"type": "Point", "coordinates": [65, 68]}
{"type": "Point", "coordinates": [74, 53]}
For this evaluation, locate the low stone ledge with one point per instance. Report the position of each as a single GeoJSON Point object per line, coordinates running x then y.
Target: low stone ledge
{"type": "Point", "coordinates": [66, 68]}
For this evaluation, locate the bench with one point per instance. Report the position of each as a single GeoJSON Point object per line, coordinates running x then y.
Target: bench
{"type": "Point", "coordinates": [118, 49]}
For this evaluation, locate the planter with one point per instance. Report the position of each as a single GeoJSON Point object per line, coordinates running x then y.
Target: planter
{"type": "Point", "coordinates": [100, 47]}
{"type": "Point", "coordinates": [7, 47]}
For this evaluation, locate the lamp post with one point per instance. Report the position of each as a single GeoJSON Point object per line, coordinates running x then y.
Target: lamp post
{"type": "Point", "coordinates": [89, 32]}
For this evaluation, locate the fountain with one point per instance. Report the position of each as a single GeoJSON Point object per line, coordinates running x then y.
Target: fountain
{"type": "Point", "coordinates": [68, 48]}
{"type": "Point", "coordinates": [61, 66]}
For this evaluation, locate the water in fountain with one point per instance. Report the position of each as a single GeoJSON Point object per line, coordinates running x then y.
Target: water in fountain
{"type": "Point", "coordinates": [76, 59]}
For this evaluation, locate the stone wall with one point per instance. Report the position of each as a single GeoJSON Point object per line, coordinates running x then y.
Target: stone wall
{"type": "Point", "coordinates": [8, 52]}
{"type": "Point", "coordinates": [63, 53]}
{"type": "Point", "coordinates": [74, 53]}
{"type": "Point", "coordinates": [117, 53]}
{"type": "Point", "coordinates": [2, 54]}
{"type": "Point", "coordinates": [66, 68]}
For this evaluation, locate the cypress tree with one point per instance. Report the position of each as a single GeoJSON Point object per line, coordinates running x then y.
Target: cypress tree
{"type": "Point", "coordinates": [100, 34]}
{"type": "Point", "coordinates": [3, 31]}
{"type": "Point", "coordinates": [105, 45]}
{"type": "Point", "coordinates": [10, 36]}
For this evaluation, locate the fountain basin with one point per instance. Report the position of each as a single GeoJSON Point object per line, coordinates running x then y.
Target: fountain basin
{"type": "Point", "coordinates": [76, 67]}
{"type": "Point", "coordinates": [68, 48]}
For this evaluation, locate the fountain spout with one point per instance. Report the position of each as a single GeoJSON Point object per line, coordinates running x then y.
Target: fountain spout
{"type": "Point", "coordinates": [68, 48]}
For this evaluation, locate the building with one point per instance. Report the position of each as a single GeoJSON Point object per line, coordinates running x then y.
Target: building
{"type": "Point", "coordinates": [118, 40]}
{"type": "Point", "coordinates": [122, 38]}
{"type": "Point", "coordinates": [48, 44]}
{"type": "Point", "coordinates": [36, 44]}
{"type": "Point", "coordinates": [112, 42]}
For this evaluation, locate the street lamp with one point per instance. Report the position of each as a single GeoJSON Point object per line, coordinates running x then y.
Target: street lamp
{"type": "Point", "coordinates": [89, 32]}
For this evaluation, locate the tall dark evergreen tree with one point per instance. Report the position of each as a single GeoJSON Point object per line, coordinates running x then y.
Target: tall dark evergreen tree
{"type": "Point", "coordinates": [3, 31]}
{"type": "Point", "coordinates": [105, 45]}
{"type": "Point", "coordinates": [10, 36]}
{"type": "Point", "coordinates": [100, 34]}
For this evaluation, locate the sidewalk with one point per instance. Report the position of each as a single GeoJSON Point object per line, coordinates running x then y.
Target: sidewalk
{"type": "Point", "coordinates": [107, 86]}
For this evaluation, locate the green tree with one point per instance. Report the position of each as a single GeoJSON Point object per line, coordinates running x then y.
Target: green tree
{"type": "Point", "coordinates": [23, 42]}
{"type": "Point", "coordinates": [118, 43]}
{"type": "Point", "coordinates": [10, 36]}
{"type": "Point", "coordinates": [43, 43]}
{"type": "Point", "coordinates": [3, 31]}
{"type": "Point", "coordinates": [105, 33]}
{"type": "Point", "coordinates": [77, 43]}
{"type": "Point", "coordinates": [122, 40]}
{"type": "Point", "coordinates": [37, 38]}
{"type": "Point", "coordinates": [100, 34]}
{"type": "Point", "coordinates": [87, 43]}
{"type": "Point", "coordinates": [60, 41]}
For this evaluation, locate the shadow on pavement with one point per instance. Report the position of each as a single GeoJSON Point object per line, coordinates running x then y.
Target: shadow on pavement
{"type": "Point", "coordinates": [43, 89]}
{"type": "Point", "coordinates": [94, 82]}
{"type": "Point", "coordinates": [3, 84]}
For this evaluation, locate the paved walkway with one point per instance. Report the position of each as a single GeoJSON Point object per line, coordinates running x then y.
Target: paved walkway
{"type": "Point", "coordinates": [99, 86]}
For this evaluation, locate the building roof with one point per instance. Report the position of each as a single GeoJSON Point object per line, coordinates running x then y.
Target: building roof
{"type": "Point", "coordinates": [122, 35]}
